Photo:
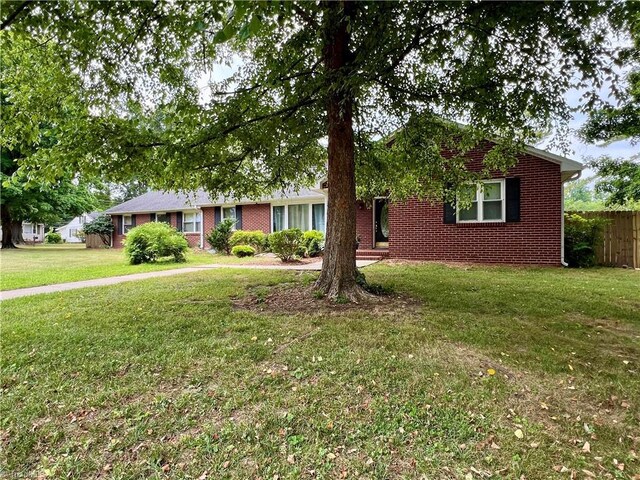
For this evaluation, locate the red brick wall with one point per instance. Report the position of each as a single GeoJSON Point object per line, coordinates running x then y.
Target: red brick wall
{"type": "Point", "coordinates": [417, 230]}
{"type": "Point", "coordinates": [208, 221]}
{"type": "Point", "coordinates": [257, 217]}
{"type": "Point", "coordinates": [364, 225]}
{"type": "Point", "coordinates": [117, 238]}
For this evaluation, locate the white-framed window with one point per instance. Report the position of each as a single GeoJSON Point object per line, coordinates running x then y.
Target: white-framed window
{"type": "Point", "coordinates": [278, 216]}
{"type": "Point", "coordinates": [191, 222]}
{"type": "Point", "coordinates": [318, 217]}
{"type": "Point", "coordinates": [83, 220]}
{"type": "Point", "coordinates": [73, 232]}
{"type": "Point", "coordinates": [127, 223]}
{"type": "Point", "coordinates": [305, 216]}
{"type": "Point", "coordinates": [487, 202]}
{"type": "Point", "coordinates": [298, 216]}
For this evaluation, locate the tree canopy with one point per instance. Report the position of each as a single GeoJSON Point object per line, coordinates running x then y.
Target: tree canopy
{"type": "Point", "coordinates": [38, 98]}
{"type": "Point", "coordinates": [621, 121]}
{"type": "Point", "coordinates": [349, 72]}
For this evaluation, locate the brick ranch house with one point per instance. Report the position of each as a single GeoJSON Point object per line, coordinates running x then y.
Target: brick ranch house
{"type": "Point", "coordinates": [515, 218]}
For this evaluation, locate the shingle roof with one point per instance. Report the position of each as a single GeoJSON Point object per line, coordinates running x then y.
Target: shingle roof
{"type": "Point", "coordinates": [155, 201]}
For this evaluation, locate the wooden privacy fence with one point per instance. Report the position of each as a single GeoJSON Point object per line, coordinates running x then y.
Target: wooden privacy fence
{"type": "Point", "coordinates": [94, 241]}
{"type": "Point", "coordinates": [620, 244]}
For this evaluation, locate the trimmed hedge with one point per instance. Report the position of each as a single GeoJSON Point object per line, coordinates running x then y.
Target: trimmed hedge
{"type": "Point", "coordinates": [286, 244]}
{"type": "Point", "coordinates": [243, 251]}
{"type": "Point", "coordinates": [313, 242]}
{"type": "Point", "coordinates": [52, 237]}
{"type": "Point", "coordinates": [254, 238]}
{"type": "Point", "coordinates": [151, 241]}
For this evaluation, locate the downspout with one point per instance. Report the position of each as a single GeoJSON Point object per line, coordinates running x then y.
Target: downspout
{"type": "Point", "coordinates": [201, 228]}
{"type": "Point", "coordinates": [573, 177]}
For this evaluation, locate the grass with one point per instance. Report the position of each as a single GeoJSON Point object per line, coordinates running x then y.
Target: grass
{"type": "Point", "coordinates": [165, 379]}
{"type": "Point", "coordinates": [50, 264]}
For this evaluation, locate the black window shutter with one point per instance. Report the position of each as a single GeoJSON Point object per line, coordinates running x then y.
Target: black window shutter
{"type": "Point", "coordinates": [133, 221]}
{"type": "Point", "coordinates": [179, 221]}
{"type": "Point", "coordinates": [449, 213]}
{"type": "Point", "coordinates": [238, 217]}
{"type": "Point", "coordinates": [513, 199]}
{"type": "Point", "coordinates": [217, 215]}
{"type": "Point", "coordinates": [120, 225]}
{"type": "Point", "coordinates": [152, 217]}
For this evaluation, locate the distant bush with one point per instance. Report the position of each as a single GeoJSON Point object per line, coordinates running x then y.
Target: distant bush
{"type": "Point", "coordinates": [243, 251]}
{"type": "Point", "coordinates": [286, 244]}
{"type": "Point", "coordinates": [220, 237]}
{"type": "Point", "coordinates": [254, 238]}
{"type": "Point", "coordinates": [151, 241]}
{"type": "Point", "coordinates": [581, 238]}
{"type": "Point", "coordinates": [313, 242]}
{"type": "Point", "coordinates": [52, 237]}
{"type": "Point", "coordinates": [101, 226]}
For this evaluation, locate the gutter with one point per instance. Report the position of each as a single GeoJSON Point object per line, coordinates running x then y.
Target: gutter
{"type": "Point", "coordinates": [573, 177]}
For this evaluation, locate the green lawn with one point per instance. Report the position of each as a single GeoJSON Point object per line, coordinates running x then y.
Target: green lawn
{"type": "Point", "coordinates": [164, 378]}
{"type": "Point", "coordinates": [49, 264]}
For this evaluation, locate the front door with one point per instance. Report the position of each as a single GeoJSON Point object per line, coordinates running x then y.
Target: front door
{"type": "Point", "coordinates": [381, 219]}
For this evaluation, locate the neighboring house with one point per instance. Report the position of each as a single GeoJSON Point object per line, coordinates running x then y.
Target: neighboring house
{"type": "Point", "coordinates": [33, 232]}
{"type": "Point", "coordinates": [515, 218]}
{"type": "Point", "coordinates": [69, 232]}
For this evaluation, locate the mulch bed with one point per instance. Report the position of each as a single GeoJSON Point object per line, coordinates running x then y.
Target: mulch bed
{"type": "Point", "coordinates": [292, 298]}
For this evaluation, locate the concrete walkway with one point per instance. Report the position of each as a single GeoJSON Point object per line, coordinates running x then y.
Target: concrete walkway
{"type": "Point", "coordinates": [103, 282]}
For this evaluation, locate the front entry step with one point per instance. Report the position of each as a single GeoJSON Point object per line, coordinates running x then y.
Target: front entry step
{"type": "Point", "coordinates": [371, 254]}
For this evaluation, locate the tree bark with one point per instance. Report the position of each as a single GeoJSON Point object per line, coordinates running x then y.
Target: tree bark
{"type": "Point", "coordinates": [338, 275]}
{"type": "Point", "coordinates": [16, 233]}
{"type": "Point", "coordinates": [7, 237]}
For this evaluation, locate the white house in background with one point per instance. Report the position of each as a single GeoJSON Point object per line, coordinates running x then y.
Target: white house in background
{"type": "Point", "coordinates": [33, 232]}
{"type": "Point", "coordinates": [69, 232]}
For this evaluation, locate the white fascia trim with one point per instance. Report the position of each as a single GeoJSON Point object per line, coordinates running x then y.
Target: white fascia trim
{"type": "Point", "coordinates": [566, 164]}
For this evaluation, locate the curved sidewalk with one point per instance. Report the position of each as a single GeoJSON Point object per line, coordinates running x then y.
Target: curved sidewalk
{"type": "Point", "coordinates": [103, 282]}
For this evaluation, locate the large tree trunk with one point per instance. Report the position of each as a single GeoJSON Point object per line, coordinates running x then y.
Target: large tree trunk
{"type": "Point", "coordinates": [7, 237]}
{"type": "Point", "coordinates": [338, 276]}
{"type": "Point", "coordinates": [16, 233]}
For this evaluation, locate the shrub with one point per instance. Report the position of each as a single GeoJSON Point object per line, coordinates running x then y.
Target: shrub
{"type": "Point", "coordinates": [243, 251]}
{"type": "Point", "coordinates": [254, 238]}
{"type": "Point", "coordinates": [286, 244]}
{"type": "Point", "coordinates": [151, 241]}
{"type": "Point", "coordinates": [313, 241]}
{"type": "Point", "coordinates": [220, 236]}
{"type": "Point", "coordinates": [52, 237]}
{"type": "Point", "coordinates": [101, 226]}
{"type": "Point", "coordinates": [581, 237]}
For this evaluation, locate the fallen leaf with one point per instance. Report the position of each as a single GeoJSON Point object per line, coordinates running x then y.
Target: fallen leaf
{"type": "Point", "coordinates": [589, 473]}
{"type": "Point", "coordinates": [491, 371]}
{"type": "Point", "coordinates": [586, 447]}
{"type": "Point", "coordinates": [518, 433]}
{"type": "Point", "coordinates": [291, 459]}
{"type": "Point", "coordinates": [331, 456]}
{"type": "Point", "coordinates": [570, 367]}
{"type": "Point", "coordinates": [534, 444]}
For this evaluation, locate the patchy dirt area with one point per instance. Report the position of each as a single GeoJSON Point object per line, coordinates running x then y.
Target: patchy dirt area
{"type": "Point", "coordinates": [294, 298]}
